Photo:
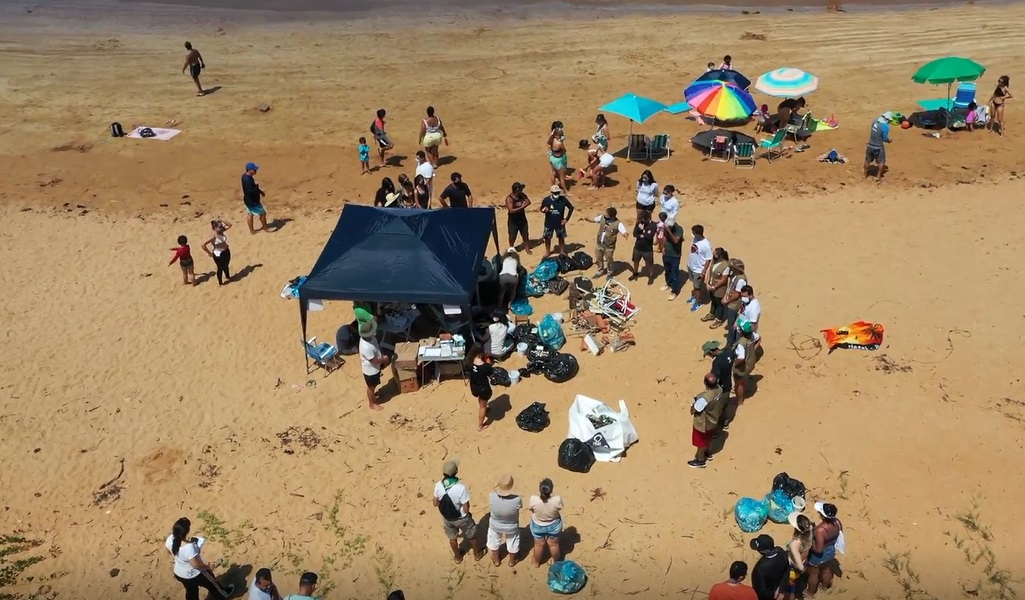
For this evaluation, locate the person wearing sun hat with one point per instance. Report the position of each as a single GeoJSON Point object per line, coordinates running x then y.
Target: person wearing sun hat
{"type": "Point", "coordinates": [504, 525]}
{"type": "Point", "coordinates": [797, 553]}
{"type": "Point", "coordinates": [452, 499]}
{"type": "Point", "coordinates": [372, 360]}
{"type": "Point", "coordinates": [827, 540]}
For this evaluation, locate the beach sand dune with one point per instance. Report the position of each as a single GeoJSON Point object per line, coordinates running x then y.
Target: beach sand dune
{"type": "Point", "coordinates": [202, 394]}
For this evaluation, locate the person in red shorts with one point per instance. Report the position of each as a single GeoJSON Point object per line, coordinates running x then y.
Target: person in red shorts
{"type": "Point", "coordinates": [706, 410]}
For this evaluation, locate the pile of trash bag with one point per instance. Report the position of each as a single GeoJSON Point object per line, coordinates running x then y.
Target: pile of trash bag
{"type": "Point", "coordinates": [751, 514]}
{"type": "Point", "coordinates": [538, 356]}
{"type": "Point", "coordinates": [780, 506]}
{"type": "Point", "coordinates": [558, 286]}
{"type": "Point", "coordinates": [576, 456]}
{"type": "Point", "coordinates": [566, 577]}
{"type": "Point", "coordinates": [791, 487]}
{"type": "Point", "coordinates": [550, 333]}
{"type": "Point", "coordinates": [534, 418]}
{"type": "Point", "coordinates": [500, 377]}
{"type": "Point", "coordinates": [582, 261]}
{"type": "Point", "coordinates": [561, 368]}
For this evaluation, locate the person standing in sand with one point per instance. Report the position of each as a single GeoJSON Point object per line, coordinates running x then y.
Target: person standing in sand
{"type": "Point", "coordinates": [452, 500]}
{"type": "Point", "coordinates": [504, 525]}
{"type": "Point", "coordinates": [706, 410]}
{"type": "Point", "coordinates": [516, 204]}
{"type": "Point", "coordinates": [555, 208]}
{"type": "Point", "coordinates": [183, 255]}
{"type": "Point", "coordinates": [737, 281]}
{"type": "Point", "coordinates": [718, 277]}
{"type": "Point", "coordinates": [426, 170]}
{"type": "Point", "coordinates": [733, 588]}
{"type": "Point", "coordinates": [875, 151]}
{"type": "Point", "coordinates": [827, 540]}
{"type": "Point", "coordinates": [432, 134]}
{"type": "Point", "coordinates": [217, 248]}
{"type": "Point", "coordinates": [996, 103]}
{"type": "Point", "coordinates": [601, 134]}
{"type": "Point", "coordinates": [252, 197]}
{"type": "Point", "coordinates": [195, 64]}
{"type": "Point", "coordinates": [372, 361]}
{"type": "Point", "coordinates": [557, 156]}
{"type": "Point", "coordinates": [480, 386]}
{"type": "Point", "coordinates": [797, 552]}
{"type": "Point", "coordinates": [189, 568]}
{"type": "Point", "coordinates": [380, 135]}
{"type": "Point", "coordinates": [263, 587]}
{"type": "Point", "coordinates": [546, 522]}
{"type": "Point", "coordinates": [609, 230]}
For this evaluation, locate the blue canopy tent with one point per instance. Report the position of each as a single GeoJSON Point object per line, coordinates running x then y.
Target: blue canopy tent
{"type": "Point", "coordinates": [401, 255]}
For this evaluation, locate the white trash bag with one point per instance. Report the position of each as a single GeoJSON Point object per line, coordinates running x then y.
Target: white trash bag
{"type": "Point", "coordinates": [608, 441]}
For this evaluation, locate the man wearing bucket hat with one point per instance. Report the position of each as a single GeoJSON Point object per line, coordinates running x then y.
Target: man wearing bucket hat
{"type": "Point", "coordinates": [452, 500]}
{"type": "Point", "coordinates": [372, 361]}
{"type": "Point", "coordinates": [827, 540]}
{"type": "Point", "coordinates": [736, 282]}
{"type": "Point", "coordinates": [504, 525]}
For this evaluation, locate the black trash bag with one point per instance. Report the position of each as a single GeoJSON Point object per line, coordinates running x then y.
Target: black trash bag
{"type": "Point", "coordinates": [585, 284]}
{"type": "Point", "coordinates": [558, 286]}
{"type": "Point", "coordinates": [576, 456]}
{"type": "Point", "coordinates": [520, 333]}
{"type": "Point", "coordinates": [582, 261]}
{"type": "Point", "coordinates": [791, 487]}
{"type": "Point", "coordinates": [539, 353]}
{"type": "Point", "coordinates": [534, 418]}
{"type": "Point", "coordinates": [499, 376]}
{"type": "Point", "coordinates": [561, 368]}
{"type": "Point", "coordinates": [535, 368]}
{"type": "Point", "coordinates": [565, 263]}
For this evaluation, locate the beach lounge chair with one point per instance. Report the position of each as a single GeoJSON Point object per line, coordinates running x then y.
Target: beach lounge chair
{"type": "Point", "coordinates": [637, 147]}
{"type": "Point", "coordinates": [720, 150]}
{"type": "Point", "coordinates": [323, 355]}
{"type": "Point", "coordinates": [796, 128]}
{"type": "Point", "coordinates": [658, 149]}
{"type": "Point", "coordinates": [965, 94]}
{"type": "Point", "coordinates": [775, 145]}
{"type": "Point", "coordinates": [744, 156]}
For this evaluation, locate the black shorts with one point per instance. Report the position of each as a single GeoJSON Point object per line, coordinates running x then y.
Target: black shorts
{"type": "Point", "coordinates": [195, 69]}
{"type": "Point", "coordinates": [650, 209]}
{"type": "Point", "coordinates": [482, 394]}
{"type": "Point", "coordinates": [518, 227]}
{"type": "Point", "coordinates": [372, 380]}
{"type": "Point", "coordinates": [647, 255]}
{"type": "Point", "coordinates": [876, 155]}
{"type": "Point", "coordinates": [186, 263]}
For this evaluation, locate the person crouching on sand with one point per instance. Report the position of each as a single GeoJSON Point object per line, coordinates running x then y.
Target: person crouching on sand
{"type": "Point", "coordinates": [598, 164]}
{"type": "Point", "coordinates": [183, 254]}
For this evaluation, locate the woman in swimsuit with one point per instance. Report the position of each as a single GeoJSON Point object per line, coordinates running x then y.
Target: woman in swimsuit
{"type": "Point", "coordinates": [601, 135]}
{"type": "Point", "coordinates": [432, 134]}
{"type": "Point", "coordinates": [797, 551]}
{"type": "Point", "coordinates": [557, 156]}
{"type": "Point", "coordinates": [823, 549]}
{"type": "Point", "coordinates": [421, 193]}
{"type": "Point", "coordinates": [217, 248]}
{"type": "Point", "coordinates": [996, 103]}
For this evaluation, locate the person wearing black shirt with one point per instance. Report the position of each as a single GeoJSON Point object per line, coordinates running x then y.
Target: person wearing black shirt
{"type": "Point", "coordinates": [516, 203]}
{"type": "Point", "coordinates": [554, 208]}
{"type": "Point", "coordinates": [770, 569]}
{"type": "Point", "coordinates": [457, 194]}
{"type": "Point", "coordinates": [480, 387]}
{"type": "Point", "coordinates": [387, 188]}
{"type": "Point", "coordinates": [644, 246]}
{"type": "Point", "coordinates": [252, 196]}
{"type": "Point", "coordinates": [722, 368]}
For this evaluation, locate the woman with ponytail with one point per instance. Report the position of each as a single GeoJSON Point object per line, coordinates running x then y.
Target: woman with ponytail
{"type": "Point", "coordinates": [189, 567]}
{"type": "Point", "coordinates": [546, 521]}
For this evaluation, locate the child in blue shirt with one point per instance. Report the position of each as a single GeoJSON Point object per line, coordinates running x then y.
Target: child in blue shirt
{"type": "Point", "coordinates": [364, 155]}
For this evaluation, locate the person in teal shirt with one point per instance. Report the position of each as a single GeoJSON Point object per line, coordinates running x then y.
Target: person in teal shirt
{"type": "Point", "coordinates": [307, 585]}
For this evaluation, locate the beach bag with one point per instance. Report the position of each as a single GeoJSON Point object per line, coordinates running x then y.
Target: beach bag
{"type": "Point", "coordinates": [448, 509]}
{"type": "Point", "coordinates": [607, 432]}
{"type": "Point", "coordinates": [561, 368]}
{"type": "Point", "coordinates": [780, 506]}
{"type": "Point", "coordinates": [582, 261]}
{"type": "Point", "coordinates": [584, 284]}
{"type": "Point", "coordinates": [791, 487]}
{"type": "Point", "coordinates": [373, 127]}
{"type": "Point", "coordinates": [550, 333]}
{"type": "Point", "coordinates": [566, 577]}
{"type": "Point", "coordinates": [146, 132]}
{"type": "Point", "coordinates": [576, 456]}
{"type": "Point", "coordinates": [534, 418]}
{"type": "Point", "coordinates": [116, 130]}
{"type": "Point", "coordinates": [751, 514]}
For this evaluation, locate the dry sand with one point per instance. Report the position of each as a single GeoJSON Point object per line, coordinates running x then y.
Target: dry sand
{"type": "Point", "coordinates": [107, 357]}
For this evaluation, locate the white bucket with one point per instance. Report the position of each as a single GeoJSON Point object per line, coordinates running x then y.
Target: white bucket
{"type": "Point", "coordinates": [557, 317]}
{"type": "Point", "coordinates": [799, 502]}
{"type": "Point", "coordinates": [514, 377]}
{"type": "Point", "coordinates": [521, 349]}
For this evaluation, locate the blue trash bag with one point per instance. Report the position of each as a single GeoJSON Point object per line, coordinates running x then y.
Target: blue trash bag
{"type": "Point", "coordinates": [534, 287]}
{"type": "Point", "coordinates": [780, 506]}
{"type": "Point", "coordinates": [566, 577]}
{"type": "Point", "coordinates": [522, 307]}
{"type": "Point", "coordinates": [546, 271]}
{"type": "Point", "coordinates": [751, 514]}
{"type": "Point", "coordinates": [550, 333]}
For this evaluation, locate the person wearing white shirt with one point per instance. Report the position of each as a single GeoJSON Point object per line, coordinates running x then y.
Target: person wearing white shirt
{"type": "Point", "coordinates": [670, 205]}
{"type": "Point", "coordinates": [700, 256]}
{"type": "Point", "coordinates": [452, 500]}
{"type": "Point", "coordinates": [746, 353]}
{"type": "Point", "coordinates": [263, 587]}
{"type": "Point", "coordinates": [425, 169]}
{"type": "Point", "coordinates": [647, 193]}
{"type": "Point", "coordinates": [372, 361]}
{"type": "Point", "coordinates": [750, 311]}
{"type": "Point", "coordinates": [609, 230]}
{"type": "Point", "coordinates": [189, 568]}
{"type": "Point", "coordinates": [509, 278]}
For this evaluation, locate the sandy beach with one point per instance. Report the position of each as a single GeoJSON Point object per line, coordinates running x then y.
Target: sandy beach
{"type": "Point", "coordinates": [200, 393]}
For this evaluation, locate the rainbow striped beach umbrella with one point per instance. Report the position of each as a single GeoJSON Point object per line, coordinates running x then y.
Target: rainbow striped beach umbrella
{"type": "Point", "coordinates": [720, 100]}
{"type": "Point", "coordinates": [787, 82]}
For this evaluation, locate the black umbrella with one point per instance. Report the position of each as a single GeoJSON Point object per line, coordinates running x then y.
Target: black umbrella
{"type": "Point", "coordinates": [704, 139]}
{"type": "Point", "coordinates": [728, 76]}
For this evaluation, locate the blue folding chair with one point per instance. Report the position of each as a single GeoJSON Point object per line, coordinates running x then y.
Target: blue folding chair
{"type": "Point", "coordinates": [323, 355]}
{"type": "Point", "coordinates": [965, 94]}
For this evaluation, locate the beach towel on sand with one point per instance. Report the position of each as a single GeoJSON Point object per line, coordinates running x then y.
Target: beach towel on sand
{"type": "Point", "coordinates": [160, 134]}
{"type": "Point", "coordinates": [860, 335]}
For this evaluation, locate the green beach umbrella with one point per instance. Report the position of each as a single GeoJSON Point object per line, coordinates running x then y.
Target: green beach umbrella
{"type": "Point", "coordinates": [948, 70]}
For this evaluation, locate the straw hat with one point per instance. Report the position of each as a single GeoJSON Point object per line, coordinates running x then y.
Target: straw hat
{"type": "Point", "coordinates": [450, 468]}
{"type": "Point", "coordinates": [368, 329]}
{"type": "Point", "coordinates": [505, 483]}
{"type": "Point", "coordinates": [737, 265]}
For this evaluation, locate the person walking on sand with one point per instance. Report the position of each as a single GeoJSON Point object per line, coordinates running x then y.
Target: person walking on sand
{"type": "Point", "coordinates": [1001, 94]}
{"type": "Point", "coordinates": [827, 540]}
{"type": "Point", "coordinates": [770, 569]}
{"type": "Point", "coordinates": [797, 553]}
{"type": "Point", "coordinates": [609, 230]}
{"type": "Point", "coordinates": [733, 588]}
{"type": "Point", "coordinates": [706, 410]}
{"type": "Point", "coordinates": [875, 151]}
{"type": "Point", "coordinates": [504, 525]}
{"type": "Point", "coordinates": [545, 522]}
{"type": "Point", "coordinates": [263, 587]}
{"type": "Point", "coordinates": [718, 277]}
{"type": "Point", "coordinates": [217, 248]}
{"type": "Point", "coordinates": [558, 158]}
{"type": "Point", "coordinates": [372, 361]}
{"type": "Point", "coordinates": [377, 129]}
{"type": "Point", "coordinates": [195, 64]}
{"type": "Point", "coordinates": [554, 208]}
{"type": "Point", "coordinates": [183, 255]}
{"type": "Point", "coordinates": [453, 502]}
{"type": "Point", "coordinates": [189, 568]}
{"type": "Point", "coordinates": [307, 587]}
{"type": "Point", "coordinates": [252, 197]}
{"type": "Point", "coordinates": [516, 204]}
{"type": "Point", "coordinates": [432, 134]}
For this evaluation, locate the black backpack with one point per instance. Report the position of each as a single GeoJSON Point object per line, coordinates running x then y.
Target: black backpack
{"type": "Point", "coordinates": [373, 127]}
{"type": "Point", "coordinates": [448, 508]}
{"type": "Point", "coordinates": [116, 130]}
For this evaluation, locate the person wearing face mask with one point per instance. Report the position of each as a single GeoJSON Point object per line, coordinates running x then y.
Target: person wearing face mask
{"type": "Point", "coordinates": [750, 310]}
{"type": "Point", "coordinates": [647, 193]}
{"type": "Point", "coordinates": [737, 280]}
{"type": "Point", "coordinates": [718, 277]}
